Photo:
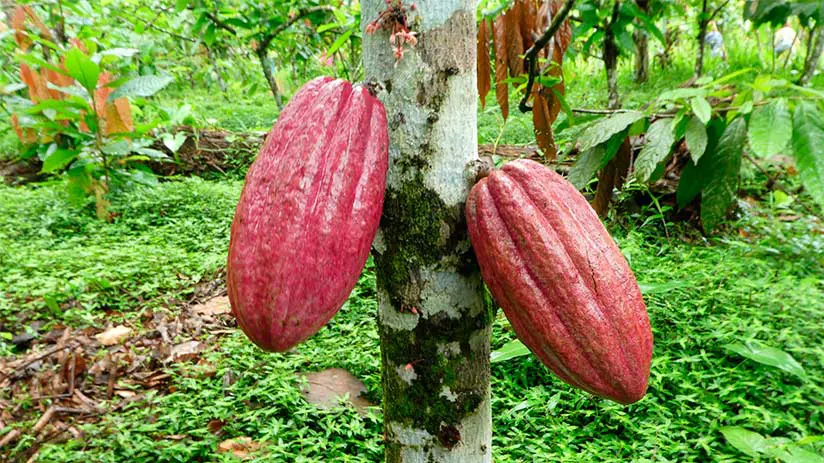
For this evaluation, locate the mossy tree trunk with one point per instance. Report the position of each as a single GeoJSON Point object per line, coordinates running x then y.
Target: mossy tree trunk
{"type": "Point", "coordinates": [433, 322]}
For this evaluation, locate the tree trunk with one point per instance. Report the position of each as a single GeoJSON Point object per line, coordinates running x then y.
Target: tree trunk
{"type": "Point", "coordinates": [432, 319]}
{"type": "Point", "coordinates": [815, 47]}
{"type": "Point", "coordinates": [610, 56]}
{"type": "Point", "coordinates": [702, 34]}
{"type": "Point", "coordinates": [270, 78]}
{"type": "Point", "coordinates": [641, 40]}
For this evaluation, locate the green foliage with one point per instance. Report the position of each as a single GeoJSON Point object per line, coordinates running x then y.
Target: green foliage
{"type": "Point", "coordinates": [659, 142]}
{"type": "Point", "coordinates": [721, 168]}
{"type": "Point", "coordinates": [770, 128]}
{"type": "Point", "coordinates": [696, 138]}
{"type": "Point", "coordinates": [768, 355]}
{"type": "Point", "coordinates": [808, 147]}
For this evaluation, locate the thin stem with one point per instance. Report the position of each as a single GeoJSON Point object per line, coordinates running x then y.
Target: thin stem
{"type": "Point", "coordinates": [531, 56]}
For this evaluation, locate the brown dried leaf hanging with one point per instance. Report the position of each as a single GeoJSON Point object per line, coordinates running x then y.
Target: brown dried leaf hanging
{"type": "Point", "coordinates": [484, 64]}
{"type": "Point", "coordinates": [514, 43]}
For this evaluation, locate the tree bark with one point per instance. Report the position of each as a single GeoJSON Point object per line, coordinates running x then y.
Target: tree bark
{"type": "Point", "coordinates": [432, 319]}
{"type": "Point", "coordinates": [702, 34]}
{"type": "Point", "coordinates": [270, 78]}
{"type": "Point", "coordinates": [815, 47]}
{"type": "Point", "coordinates": [610, 55]}
{"type": "Point", "coordinates": [641, 40]}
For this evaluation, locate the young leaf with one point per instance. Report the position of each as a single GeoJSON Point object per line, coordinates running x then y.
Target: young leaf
{"type": "Point", "coordinates": [82, 69]}
{"type": "Point", "coordinates": [770, 356]}
{"type": "Point", "coordinates": [722, 166]}
{"type": "Point", "coordinates": [58, 159]}
{"type": "Point", "coordinates": [141, 86]}
{"type": "Point", "coordinates": [770, 128]}
{"type": "Point", "coordinates": [510, 350]}
{"type": "Point", "coordinates": [696, 138]}
{"type": "Point", "coordinates": [605, 128]}
{"type": "Point", "coordinates": [808, 142]}
{"type": "Point", "coordinates": [701, 107]}
{"type": "Point", "coordinates": [659, 142]}
{"type": "Point", "coordinates": [748, 442]}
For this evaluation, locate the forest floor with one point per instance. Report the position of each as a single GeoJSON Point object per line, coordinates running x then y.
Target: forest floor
{"type": "Point", "coordinates": [116, 343]}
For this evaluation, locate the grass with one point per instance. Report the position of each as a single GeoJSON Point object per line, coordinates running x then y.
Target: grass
{"type": "Point", "coordinates": [764, 284]}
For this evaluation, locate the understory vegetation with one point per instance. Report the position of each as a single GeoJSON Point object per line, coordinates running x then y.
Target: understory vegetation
{"type": "Point", "coordinates": [737, 313]}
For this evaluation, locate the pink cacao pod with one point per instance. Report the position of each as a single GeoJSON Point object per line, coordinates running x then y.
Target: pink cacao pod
{"type": "Point", "coordinates": [308, 213]}
{"type": "Point", "coordinates": [561, 280]}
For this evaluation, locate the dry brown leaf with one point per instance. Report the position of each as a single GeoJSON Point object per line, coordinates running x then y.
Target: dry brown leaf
{"type": "Point", "coordinates": [542, 124]}
{"type": "Point", "coordinates": [186, 351]}
{"type": "Point", "coordinates": [117, 117]}
{"type": "Point", "coordinates": [326, 388]}
{"type": "Point", "coordinates": [60, 80]}
{"type": "Point", "coordinates": [26, 135]}
{"type": "Point", "coordinates": [484, 64]}
{"type": "Point", "coordinates": [18, 23]}
{"type": "Point", "coordinates": [41, 26]}
{"type": "Point", "coordinates": [529, 22]}
{"type": "Point", "coordinates": [215, 306]}
{"type": "Point", "coordinates": [240, 447]}
{"type": "Point", "coordinates": [113, 336]}
{"type": "Point", "coordinates": [514, 43]}
{"type": "Point", "coordinates": [501, 87]}
{"type": "Point", "coordinates": [37, 85]}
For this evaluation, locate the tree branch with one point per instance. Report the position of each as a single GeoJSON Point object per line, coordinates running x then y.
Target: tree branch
{"type": "Point", "coordinates": [531, 56]}
{"type": "Point", "coordinates": [267, 39]}
{"type": "Point", "coordinates": [717, 10]}
{"type": "Point", "coordinates": [220, 24]}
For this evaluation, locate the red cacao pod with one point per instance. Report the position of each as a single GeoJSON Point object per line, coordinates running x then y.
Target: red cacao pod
{"type": "Point", "coordinates": [308, 213]}
{"type": "Point", "coordinates": [561, 280]}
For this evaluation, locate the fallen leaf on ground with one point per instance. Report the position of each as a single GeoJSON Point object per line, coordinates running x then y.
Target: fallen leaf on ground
{"type": "Point", "coordinates": [212, 307]}
{"type": "Point", "coordinates": [186, 351]}
{"type": "Point", "coordinates": [113, 336]}
{"type": "Point", "coordinates": [326, 388]}
{"type": "Point", "coordinates": [239, 446]}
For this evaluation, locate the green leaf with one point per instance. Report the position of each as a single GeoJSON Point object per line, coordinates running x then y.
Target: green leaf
{"type": "Point", "coordinates": [82, 69]}
{"type": "Point", "coordinates": [702, 109]}
{"type": "Point", "coordinates": [340, 41]}
{"type": "Point", "coordinates": [746, 441]}
{"type": "Point", "coordinates": [722, 166]}
{"type": "Point", "coordinates": [174, 142]}
{"type": "Point", "coordinates": [682, 93]}
{"type": "Point", "coordinates": [696, 138]}
{"type": "Point", "coordinates": [808, 147]}
{"type": "Point", "coordinates": [594, 159]}
{"type": "Point", "coordinates": [605, 128]}
{"type": "Point", "coordinates": [141, 86]}
{"type": "Point", "coordinates": [795, 454]}
{"type": "Point", "coordinates": [770, 356]}
{"type": "Point", "coordinates": [656, 149]}
{"type": "Point", "coordinates": [510, 350]}
{"type": "Point", "coordinates": [58, 160]}
{"type": "Point", "coordinates": [770, 128]}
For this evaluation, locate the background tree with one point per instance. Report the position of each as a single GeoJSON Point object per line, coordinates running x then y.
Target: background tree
{"type": "Point", "coordinates": [432, 319]}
